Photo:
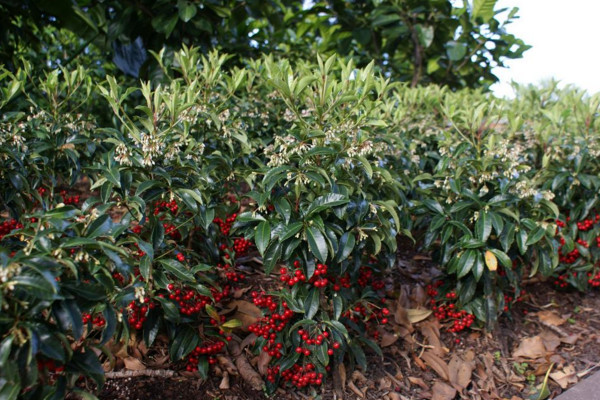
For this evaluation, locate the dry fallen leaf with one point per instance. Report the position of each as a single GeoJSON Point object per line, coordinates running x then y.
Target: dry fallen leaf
{"type": "Point", "coordinates": [133, 364]}
{"type": "Point", "coordinates": [227, 364]}
{"type": "Point", "coordinates": [401, 316]}
{"type": "Point", "coordinates": [417, 315]}
{"type": "Point", "coordinates": [418, 381]}
{"type": "Point", "coordinates": [437, 364]}
{"type": "Point", "coordinates": [240, 292]}
{"type": "Point", "coordinates": [550, 340]}
{"type": "Point", "coordinates": [432, 332]}
{"type": "Point", "coordinates": [356, 390]}
{"type": "Point", "coordinates": [388, 339]}
{"type": "Point", "coordinates": [442, 391]}
{"type": "Point", "coordinates": [531, 348]}
{"type": "Point", "coordinates": [385, 383]}
{"type": "Point", "coordinates": [460, 372]}
{"type": "Point", "coordinates": [419, 296]}
{"type": "Point", "coordinates": [395, 396]}
{"type": "Point", "coordinates": [263, 362]}
{"type": "Point", "coordinates": [246, 312]}
{"type": "Point", "coordinates": [224, 382]}
{"type": "Point", "coordinates": [565, 377]}
{"type": "Point", "coordinates": [550, 318]}
{"type": "Point", "coordinates": [571, 339]}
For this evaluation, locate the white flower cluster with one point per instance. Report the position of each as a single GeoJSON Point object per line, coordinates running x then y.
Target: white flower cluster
{"type": "Point", "coordinates": [12, 269]}
{"type": "Point", "coordinates": [283, 147]}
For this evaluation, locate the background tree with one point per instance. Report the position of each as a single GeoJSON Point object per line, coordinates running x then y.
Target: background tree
{"type": "Point", "coordinates": [418, 41]}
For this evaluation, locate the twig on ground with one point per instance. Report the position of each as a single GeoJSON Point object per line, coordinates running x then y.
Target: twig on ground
{"type": "Point", "coordinates": [161, 373]}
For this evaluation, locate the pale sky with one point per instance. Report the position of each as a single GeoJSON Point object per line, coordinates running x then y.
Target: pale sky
{"type": "Point", "coordinates": [565, 36]}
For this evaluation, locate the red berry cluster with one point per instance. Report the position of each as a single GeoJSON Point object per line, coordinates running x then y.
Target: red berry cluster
{"type": "Point", "coordinates": [460, 318]}
{"type": "Point", "coordinates": [171, 230]}
{"type": "Point", "coordinates": [588, 224]}
{"type": "Point", "coordinates": [139, 312]}
{"type": "Point", "coordinates": [8, 226]}
{"type": "Point", "coordinates": [366, 277]}
{"type": "Point", "coordinates": [241, 246]}
{"type": "Point", "coordinates": [98, 321]}
{"type": "Point", "coordinates": [294, 278]}
{"type": "Point", "coordinates": [225, 225]}
{"type": "Point", "coordinates": [342, 282]}
{"type": "Point", "coordinates": [318, 279]}
{"type": "Point", "coordinates": [447, 311]}
{"type": "Point", "coordinates": [50, 366]}
{"type": "Point", "coordinates": [314, 340]}
{"type": "Point", "coordinates": [231, 275]}
{"type": "Point", "coordinates": [119, 277]}
{"type": "Point", "coordinates": [298, 376]}
{"type": "Point", "coordinates": [137, 229]}
{"type": "Point", "coordinates": [139, 253]}
{"type": "Point", "coordinates": [160, 206]}
{"type": "Point", "coordinates": [180, 257]}
{"type": "Point", "coordinates": [594, 279]}
{"type": "Point", "coordinates": [73, 200]}
{"type": "Point", "coordinates": [209, 349]}
{"type": "Point", "coordinates": [369, 314]}
{"type": "Point", "coordinates": [189, 300]}
{"type": "Point", "coordinates": [219, 295]}
{"type": "Point", "coordinates": [583, 243]}
{"type": "Point", "coordinates": [561, 281]}
{"type": "Point", "coordinates": [570, 257]}
{"type": "Point", "coordinates": [267, 327]}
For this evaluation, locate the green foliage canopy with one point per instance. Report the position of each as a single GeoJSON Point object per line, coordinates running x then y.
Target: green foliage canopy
{"type": "Point", "coordinates": [431, 41]}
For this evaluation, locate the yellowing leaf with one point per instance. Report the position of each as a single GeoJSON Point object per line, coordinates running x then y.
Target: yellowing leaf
{"type": "Point", "coordinates": [491, 261]}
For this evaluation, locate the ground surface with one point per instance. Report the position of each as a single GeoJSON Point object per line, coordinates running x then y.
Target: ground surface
{"type": "Point", "coordinates": [550, 341]}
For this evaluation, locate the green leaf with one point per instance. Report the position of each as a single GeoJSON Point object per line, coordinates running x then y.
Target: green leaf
{"type": "Point", "coordinates": [311, 304]}
{"type": "Point", "coordinates": [433, 205]}
{"type": "Point", "coordinates": [338, 306]}
{"type": "Point", "coordinates": [346, 245]}
{"type": "Point", "coordinates": [145, 185]}
{"type": "Point", "coordinates": [170, 309]}
{"type": "Point", "coordinates": [483, 9]}
{"type": "Point", "coordinates": [478, 267]}
{"type": "Point", "coordinates": [483, 226]}
{"type": "Point", "coordinates": [145, 266]}
{"type": "Point", "coordinates": [425, 34]}
{"type": "Point", "coordinates": [177, 269]}
{"type": "Point", "coordinates": [456, 51]}
{"type": "Point", "coordinates": [290, 231]}
{"type": "Point", "coordinates": [366, 166]}
{"type": "Point", "coordinates": [322, 356]}
{"type": "Point", "coordinates": [262, 237]}
{"type": "Point", "coordinates": [359, 354]}
{"type": "Point", "coordinates": [282, 206]}
{"type": "Point", "coordinates": [101, 226]}
{"type": "Point", "coordinates": [272, 256]}
{"type": "Point", "coordinates": [466, 262]}
{"type": "Point", "coordinates": [87, 363]}
{"type": "Point", "coordinates": [502, 257]}
{"type": "Point", "coordinates": [184, 342]}
{"type": "Point", "coordinates": [328, 201]}
{"type": "Point", "coordinates": [317, 243]}
{"type": "Point", "coordinates": [535, 236]}
{"type": "Point", "coordinates": [187, 10]}
{"type": "Point", "coordinates": [5, 347]}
